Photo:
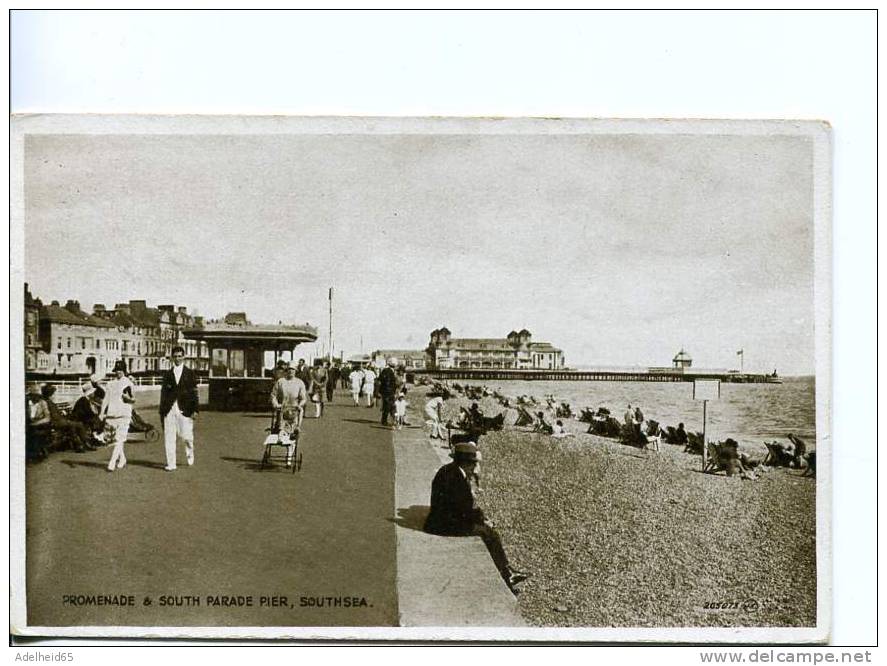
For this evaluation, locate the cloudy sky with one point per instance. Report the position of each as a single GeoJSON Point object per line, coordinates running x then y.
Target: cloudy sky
{"type": "Point", "coordinates": [619, 249]}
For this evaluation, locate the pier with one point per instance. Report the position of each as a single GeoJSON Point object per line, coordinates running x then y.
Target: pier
{"type": "Point", "coordinates": [488, 374]}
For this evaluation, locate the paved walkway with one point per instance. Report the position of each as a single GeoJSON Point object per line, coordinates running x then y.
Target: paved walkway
{"type": "Point", "coordinates": [322, 538]}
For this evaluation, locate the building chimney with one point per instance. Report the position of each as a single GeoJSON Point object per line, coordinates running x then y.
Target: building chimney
{"type": "Point", "coordinates": [137, 306]}
{"type": "Point", "coordinates": [166, 308]}
{"type": "Point", "coordinates": [98, 307]}
{"type": "Point", "coordinates": [55, 303]}
{"type": "Point", "coordinates": [183, 310]}
{"type": "Point", "coordinates": [73, 306]}
{"type": "Point", "coordinates": [122, 307]}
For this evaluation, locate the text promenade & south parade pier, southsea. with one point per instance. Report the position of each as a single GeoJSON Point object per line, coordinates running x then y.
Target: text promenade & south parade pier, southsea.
{"type": "Point", "coordinates": [218, 601]}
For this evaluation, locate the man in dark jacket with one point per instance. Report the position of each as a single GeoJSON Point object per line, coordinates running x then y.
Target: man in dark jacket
{"type": "Point", "coordinates": [178, 407]}
{"type": "Point", "coordinates": [454, 511]}
{"type": "Point", "coordinates": [86, 410]}
{"type": "Point", "coordinates": [333, 372]}
{"type": "Point", "coordinates": [388, 390]}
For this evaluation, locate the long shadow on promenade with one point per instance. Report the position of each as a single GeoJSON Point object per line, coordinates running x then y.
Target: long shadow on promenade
{"type": "Point", "coordinates": [321, 537]}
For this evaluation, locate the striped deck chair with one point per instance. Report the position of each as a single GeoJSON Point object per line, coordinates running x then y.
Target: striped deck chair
{"type": "Point", "coordinates": [524, 418]}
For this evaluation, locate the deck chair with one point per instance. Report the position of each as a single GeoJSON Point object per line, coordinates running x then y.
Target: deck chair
{"type": "Point", "coordinates": [543, 426]}
{"type": "Point", "coordinates": [777, 456]}
{"type": "Point", "coordinates": [811, 463]}
{"type": "Point", "coordinates": [564, 411]}
{"type": "Point", "coordinates": [653, 434]}
{"type": "Point", "coordinates": [587, 416]}
{"type": "Point", "coordinates": [524, 418]}
{"type": "Point", "coordinates": [632, 434]}
{"type": "Point", "coordinates": [714, 464]}
{"type": "Point", "coordinates": [694, 443]}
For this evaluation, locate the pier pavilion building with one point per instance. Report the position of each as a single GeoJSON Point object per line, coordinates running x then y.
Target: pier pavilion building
{"type": "Point", "coordinates": [516, 351]}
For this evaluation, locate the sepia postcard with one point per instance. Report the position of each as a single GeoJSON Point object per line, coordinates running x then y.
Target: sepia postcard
{"type": "Point", "coordinates": [409, 379]}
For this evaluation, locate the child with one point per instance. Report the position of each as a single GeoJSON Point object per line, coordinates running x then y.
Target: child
{"type": "Point", "coordinates": [289, 431]}
{"type": "Point", "coordinates": [559, 432]}
{"type": "Point", "coordinates": [400, 410]}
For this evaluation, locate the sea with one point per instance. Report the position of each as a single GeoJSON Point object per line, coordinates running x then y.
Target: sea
{"type": "Point", "coordinates": [749, 413]}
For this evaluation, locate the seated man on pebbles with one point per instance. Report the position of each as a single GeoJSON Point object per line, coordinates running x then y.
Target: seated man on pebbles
{"type": "Point", "coordinates": [454, 511]}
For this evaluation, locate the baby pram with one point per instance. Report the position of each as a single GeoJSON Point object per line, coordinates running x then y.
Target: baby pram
{"type": "Point", "coordinates": [139, 425]}
{"type": "Point", "coordinates": [282, 442]}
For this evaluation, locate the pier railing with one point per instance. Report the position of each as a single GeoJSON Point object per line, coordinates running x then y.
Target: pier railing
{"type": "Point", "coordinates": [487, 374]}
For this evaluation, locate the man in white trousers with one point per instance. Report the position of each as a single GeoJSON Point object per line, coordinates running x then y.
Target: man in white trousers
{"type": "Point", "coordinates": [178, 407]}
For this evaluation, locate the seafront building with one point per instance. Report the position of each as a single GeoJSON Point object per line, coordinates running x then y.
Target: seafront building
{"type": "Point", "coordinates": [411, 359]}
{"type": "Point", "coordinates": [516, 351]}
{"type": "Point", "coordinates": [65, 341]}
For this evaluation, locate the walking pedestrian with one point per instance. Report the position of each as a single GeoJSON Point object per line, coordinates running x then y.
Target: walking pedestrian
{"type": "Point", "coordinates": [388, 389]}
{"type": "Point", "coordinates": [303, 372]}
{"type": "Point", "coordinates": [369, 386]}
{"type": "Point", "coordinates": [320, 381]}
{"type": "Point", "coordinates": [356, 378]}
{"type": "Point", "coordinates": [179, 404]}
{"type": "Point", "coordinates": [289, 393]}
{"type": "Point", "coordinates": [116, 410]}
{"type": "Point", "coordinates": [435, 418]}
{"type": "Point", "coordinates": [333, 372]}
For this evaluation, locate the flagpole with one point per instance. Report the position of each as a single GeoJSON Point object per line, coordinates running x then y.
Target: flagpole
{"type": "Point", "coordinates": [330, 357]}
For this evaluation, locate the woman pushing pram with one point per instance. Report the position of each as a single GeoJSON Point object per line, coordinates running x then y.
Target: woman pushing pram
{"type": "Point", "coordinates": [288, 398]}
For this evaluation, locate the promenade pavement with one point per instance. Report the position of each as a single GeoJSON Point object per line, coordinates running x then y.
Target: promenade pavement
{"type": "Point", "coordinates": [225, 543]}
{"type": "Point", "coordinates": [321, 538]}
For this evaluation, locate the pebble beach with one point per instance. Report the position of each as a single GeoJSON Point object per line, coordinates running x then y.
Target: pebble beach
{"type": "Point", "coordinates": [617, 536]}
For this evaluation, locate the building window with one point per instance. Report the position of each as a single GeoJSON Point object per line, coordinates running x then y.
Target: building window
{"type": "Point", "coordinates": [220, 362]}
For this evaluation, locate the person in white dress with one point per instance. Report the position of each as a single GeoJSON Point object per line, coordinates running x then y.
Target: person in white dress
{"type": "Point", "coordinates": [433, 412]}
{"type": "Point", "coordinates": [116, 410]}
{"type": "Point", "coordinates": [400, 411]}
{"type": "Point", "coordinates": [356, 378]}
{"type": "Point", "coordinates": [369, 386]}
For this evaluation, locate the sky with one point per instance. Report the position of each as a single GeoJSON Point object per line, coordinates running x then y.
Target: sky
{"type": "Point", "coordinates": [618, 249]}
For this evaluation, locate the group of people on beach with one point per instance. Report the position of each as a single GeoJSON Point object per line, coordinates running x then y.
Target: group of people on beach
{"type": "Point", "coordinates": [634, 429]}
{"type": "Point", "coordinates": [104, 412]}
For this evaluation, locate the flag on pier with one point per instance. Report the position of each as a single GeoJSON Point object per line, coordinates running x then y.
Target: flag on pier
{"type": "Point", "coordinates": [331, 293]}
{"type": "Point", "coordinates": [739, 353]}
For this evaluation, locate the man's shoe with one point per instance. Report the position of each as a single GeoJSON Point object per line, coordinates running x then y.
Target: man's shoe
{"type": "Point", "coordinates": [169, 469]}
